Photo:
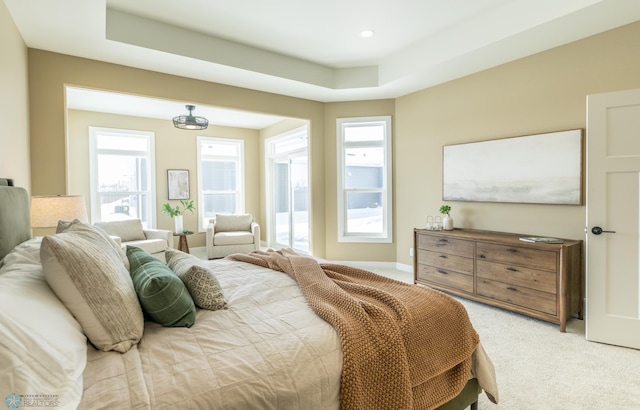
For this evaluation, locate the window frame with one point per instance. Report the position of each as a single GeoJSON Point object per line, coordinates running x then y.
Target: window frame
{"type": "Point", "coordinates": [203, 222]}
{"type": "Point", "coordinates": [94, 132]}
{"type": "Point", "coordinates": [386, 236]}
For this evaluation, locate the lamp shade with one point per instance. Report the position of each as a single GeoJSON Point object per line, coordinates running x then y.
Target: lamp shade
{"type": "Point", "coordinates": [46, 211]}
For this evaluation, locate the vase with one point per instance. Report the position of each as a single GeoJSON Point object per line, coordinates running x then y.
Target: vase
{"type": "Point", "coordinates": [447, 223]}
{"type": "Point", "coordinates": [178, 222]}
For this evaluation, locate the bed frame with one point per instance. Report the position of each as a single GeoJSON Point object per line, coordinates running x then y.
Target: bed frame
{"type": "Point", "coordinates": [15, 218]}
{"type": "Point", "coordinates": [15, 228]}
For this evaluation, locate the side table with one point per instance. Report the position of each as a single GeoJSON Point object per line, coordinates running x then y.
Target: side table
{"type": "Point", "coordinates": [183, 245]}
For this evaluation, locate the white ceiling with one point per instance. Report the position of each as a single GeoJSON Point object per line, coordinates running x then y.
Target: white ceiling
{"type": "Point", "coordinates": [311, 49]}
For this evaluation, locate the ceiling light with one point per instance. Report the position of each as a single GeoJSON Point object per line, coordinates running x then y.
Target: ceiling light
{"type": "Point", "coordinates": [367, 33]}
{"type": "Point", "coordinates": [189, 122]}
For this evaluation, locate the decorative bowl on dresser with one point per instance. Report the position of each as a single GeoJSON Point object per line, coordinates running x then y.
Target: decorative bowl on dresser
{"type": "Point", "coordinates": [541, 280]}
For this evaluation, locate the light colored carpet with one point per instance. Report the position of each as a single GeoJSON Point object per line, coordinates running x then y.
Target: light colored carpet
{"type": "Point", "coordinates": [539, 368]}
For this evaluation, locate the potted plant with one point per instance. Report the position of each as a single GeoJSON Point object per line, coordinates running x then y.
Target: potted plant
{"type": "Point", "coordinates": [187, 205]}
{"type": "Point", "coordinates": [447, 221]}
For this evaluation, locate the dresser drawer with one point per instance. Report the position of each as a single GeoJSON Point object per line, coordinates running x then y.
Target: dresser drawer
{"type": "Point", "coordinates": [518, 295]}
{"type": "Point", "coordinates": [445, 261]}
{"type": "Point", "coordinates": [446, 245]}
{"type": "Point", "coordinates": [516, 255]}
{"type": "Point", "coordinates": [518, 276]}
{"type": "Point", "coordinates": [445, 277]}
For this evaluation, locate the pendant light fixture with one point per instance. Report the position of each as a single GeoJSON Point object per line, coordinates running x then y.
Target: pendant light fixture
{"type": "Point", "coordinates": [189, 122]}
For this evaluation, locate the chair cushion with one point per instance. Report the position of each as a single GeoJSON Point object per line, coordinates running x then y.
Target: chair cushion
{"type": "Point", "coordinates": [228, 223]}
{"type": "Point", "coordinates": [150, 245]}
{"type": "Point", "coordinates": [127, 230]}
{"type": "Point", "coordinates": [198, 278]}
{"type": "Point", "coordinates": [232, 238]}
{"type": "Point", "coordinates": [86, 273]}
{"type": "Point", "coordinates": [162, 294]}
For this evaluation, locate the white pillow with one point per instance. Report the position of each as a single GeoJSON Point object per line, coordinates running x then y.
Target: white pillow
{"type": "Point", "coordinates": [42, 347]}
{"type": "Point", "coordinates": [86, 273]}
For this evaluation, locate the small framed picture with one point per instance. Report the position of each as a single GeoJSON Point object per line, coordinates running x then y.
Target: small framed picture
{"type": "Point", "coordinates": [178, 183]}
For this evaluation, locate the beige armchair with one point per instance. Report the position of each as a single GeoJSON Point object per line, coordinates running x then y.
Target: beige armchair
{"type": "Point", "coordinates": [227, 234]}
{"type": "Point", "coordinates": [130, 232]}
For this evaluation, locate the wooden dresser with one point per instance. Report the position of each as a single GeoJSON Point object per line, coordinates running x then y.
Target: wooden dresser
{"type": "Point", "coordinates": [536, 279]}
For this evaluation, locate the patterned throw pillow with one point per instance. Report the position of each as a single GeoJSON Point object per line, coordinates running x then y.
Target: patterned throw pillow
{"type": "Point", "coordinates": [162, 294]}
{"type": "Point", "coordinates": [87, 275]}
{"type": "Point", "coordinates": [199, 279]}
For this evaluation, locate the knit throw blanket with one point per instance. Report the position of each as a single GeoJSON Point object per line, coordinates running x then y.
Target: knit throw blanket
{"type": "Point", "coordinates": [404, 346]}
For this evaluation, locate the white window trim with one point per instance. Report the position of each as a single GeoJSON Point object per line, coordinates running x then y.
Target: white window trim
{"type": "Point", "coordinates": [240, 183]}
{"type": "Point", "coordinates": [387, 191]}
{"type": "Point", "coordinates": [270, 158]}
{"type": "Point", "coordinates": [93, 169]}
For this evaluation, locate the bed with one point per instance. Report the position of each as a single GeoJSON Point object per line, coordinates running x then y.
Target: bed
{"type": "Point", "coordinates": [266, 342]}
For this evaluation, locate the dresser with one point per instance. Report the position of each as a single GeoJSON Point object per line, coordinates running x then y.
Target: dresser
{"type": "Point", "coordinates": [541, 280]}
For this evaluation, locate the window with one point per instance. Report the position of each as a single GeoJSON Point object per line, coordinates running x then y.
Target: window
{"type": "Point", "coordinates": [122, 176]}
{"type": "Point", "coordinates": [287, 190]}
{"type": "Point", "coordinates": [220, 177]}
{"type": "Point", "coordinates": [364, 179]}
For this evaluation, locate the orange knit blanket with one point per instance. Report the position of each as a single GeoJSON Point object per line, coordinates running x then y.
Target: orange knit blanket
{"type": "Point", "coordinates": [404, 346]}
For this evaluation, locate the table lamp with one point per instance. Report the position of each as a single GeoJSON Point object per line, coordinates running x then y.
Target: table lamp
{"type": "Point", "coordinates": [46, 211]}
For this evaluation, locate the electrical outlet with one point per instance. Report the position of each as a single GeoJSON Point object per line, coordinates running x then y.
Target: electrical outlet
{"type": "Point", "coordinates": [410, 251]}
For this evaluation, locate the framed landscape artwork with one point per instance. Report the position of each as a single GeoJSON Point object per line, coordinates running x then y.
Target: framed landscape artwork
{"type": "Point", "coordinates": [178, 183]}
{"type": "Point", "coordinates": [537, 169]}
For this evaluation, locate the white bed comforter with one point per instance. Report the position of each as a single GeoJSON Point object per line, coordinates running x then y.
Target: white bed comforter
{"type": "Point", "coordinates": [267, 352]}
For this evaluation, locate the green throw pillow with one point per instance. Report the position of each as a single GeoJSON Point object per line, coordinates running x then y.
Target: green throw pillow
{"type": "Point", "coordinates": [162, 295]}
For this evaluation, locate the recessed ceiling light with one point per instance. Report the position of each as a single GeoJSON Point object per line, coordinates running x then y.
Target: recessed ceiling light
{"type": "Point", "coordinates": [367, 33]}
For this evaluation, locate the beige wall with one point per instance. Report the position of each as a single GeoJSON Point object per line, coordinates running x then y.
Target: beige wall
{"type": "Point", "coordinates": [174, 149]}
{"type": "Point", "coordinates": [542, 93]}
{"type": "Point", "coordinates": [14, 103]}
{"type": "Point", "coordinates": [50, 72]}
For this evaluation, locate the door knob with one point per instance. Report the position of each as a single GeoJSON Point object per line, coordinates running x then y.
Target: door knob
{"type": "Point", "coordinates": [596, 230]}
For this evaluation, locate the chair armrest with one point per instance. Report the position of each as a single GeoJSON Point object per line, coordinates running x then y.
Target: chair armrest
{"type": "Point", "coordinates": [160, 234]}
{"type": "Point", "coordinates": [117, 239]}
{"type": "Point", "coordinates": [255, 230]}
{"type": "Point", "coordinates": [209, 239]}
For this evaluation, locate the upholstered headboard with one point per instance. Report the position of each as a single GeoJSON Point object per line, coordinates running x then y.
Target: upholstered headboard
{"type": "Point", "coordinates": [15, 217]}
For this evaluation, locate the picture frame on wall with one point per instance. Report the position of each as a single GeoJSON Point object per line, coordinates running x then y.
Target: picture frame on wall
{"type": "Point", "coordinates": [535, 169]}
{"type": "Point", "coordinates": [178, 183]}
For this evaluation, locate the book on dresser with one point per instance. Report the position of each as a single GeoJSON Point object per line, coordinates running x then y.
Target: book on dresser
{"type": "Point", "coordinates": [541, 279]}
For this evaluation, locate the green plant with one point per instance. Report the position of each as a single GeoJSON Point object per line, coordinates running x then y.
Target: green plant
{"type": "Point", "coordinates": [187, 205]}
{"type": "Point", "coordinates": [445, 209]}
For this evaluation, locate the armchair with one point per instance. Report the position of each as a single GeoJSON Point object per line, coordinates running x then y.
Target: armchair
{"type": "Point", "coordinates": [130, 232]}
{"type": "Point", "coordinates": [227, 234]}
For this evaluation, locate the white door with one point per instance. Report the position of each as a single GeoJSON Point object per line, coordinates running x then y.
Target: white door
{"type": "Point", "coordinates": [613, 192]}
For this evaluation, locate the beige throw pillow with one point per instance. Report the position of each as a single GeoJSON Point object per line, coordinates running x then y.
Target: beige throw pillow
{"type": "Point", "coordinates": [202, 284]}
{"type": "Point", "coordinates": [77, 226]}
{"type": "Point", "coordinates": [88, 276]}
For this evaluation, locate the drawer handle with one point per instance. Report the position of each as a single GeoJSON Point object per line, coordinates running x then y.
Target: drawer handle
{"type": "Point", "coordinates": [512, 269]}
{"type": "Point", "coordinates": [510, 288]}
{"type": "Point", "coordinates": [512, 250]}
{"type": "Point", "coordinates": [443, 256]}
{"type": "Point", "coordinates": [442, 240]}
{"type": "Point", "coordinates": [441, 271]}
{"type": "Point", "coordinates": [482, 257]}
